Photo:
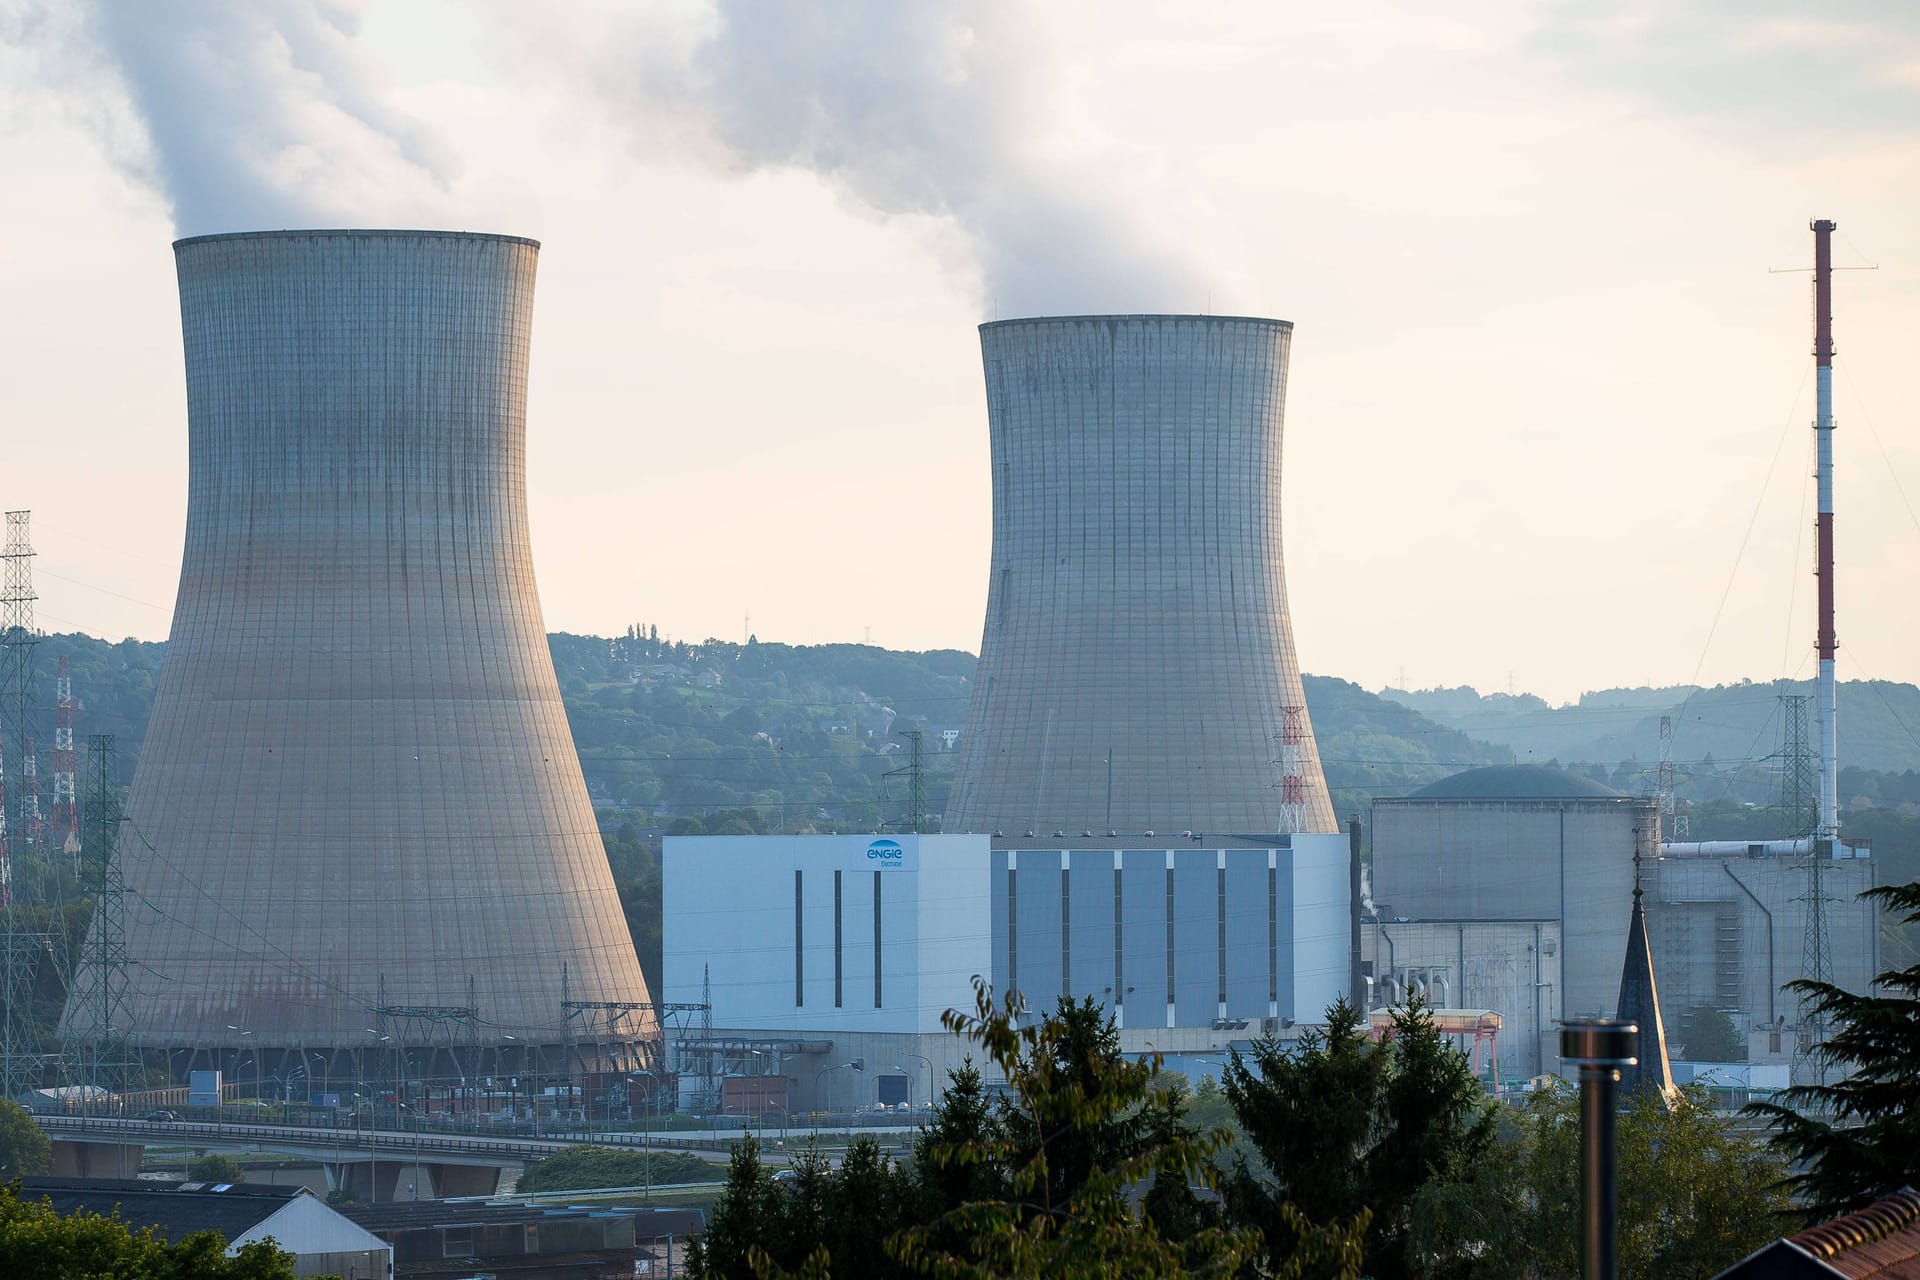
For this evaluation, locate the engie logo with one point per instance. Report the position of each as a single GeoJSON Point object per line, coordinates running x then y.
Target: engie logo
{"type": "Point", "coordinates": [883, 854]}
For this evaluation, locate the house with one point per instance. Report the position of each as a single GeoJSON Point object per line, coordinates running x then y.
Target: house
{"type": "Point", "coordinates": [1881, 1241]}
{"type": "Point", "coordinates": [322, 1242]}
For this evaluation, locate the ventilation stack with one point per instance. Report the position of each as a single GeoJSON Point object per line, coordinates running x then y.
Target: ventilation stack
{"type": "Point", "coordinates": [1137, 671]}
{"type": "Point", "coordinates": [358, 804]}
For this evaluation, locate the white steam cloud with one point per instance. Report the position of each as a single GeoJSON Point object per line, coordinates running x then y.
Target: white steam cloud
{"type": "Point", "coordinates": [246, 114]}
{"type": "Point", "coordinates": [942, 109]}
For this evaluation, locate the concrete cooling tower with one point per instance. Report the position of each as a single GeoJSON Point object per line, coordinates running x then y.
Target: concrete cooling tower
{"type": "Point", "coordinates": [1137, 671]}
{"type": "Point", "coordinates": [358, 791]}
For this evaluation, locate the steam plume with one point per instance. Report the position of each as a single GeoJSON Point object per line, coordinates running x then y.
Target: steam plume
{"type": "Point", "coordinates": [942, 109]}
{"type": "Point", "coordinates": [255, 113]}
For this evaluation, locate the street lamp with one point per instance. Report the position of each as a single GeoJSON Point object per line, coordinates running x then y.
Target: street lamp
{"type": "Point", "coordinates": [919, 1057]}
{"type": "Point", "coordinates": [373, 1171]}
{"type": "Point", "coordinates": [256, 1063]}
{"type": "Point", "coordinates": [858, 1064]}
{"type": "Point", "coordinates": [387, 1039]}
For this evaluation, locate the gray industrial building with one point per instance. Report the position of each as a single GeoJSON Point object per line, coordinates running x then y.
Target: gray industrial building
{"type": "Point", "coordinates": [1729, 932]}
{"type": "Point", "coordinates": [1137, 669]}
{"type": "Point", "coordinates": [358, 791]}
{"type": "Point", "coordinates": [1504, 888]}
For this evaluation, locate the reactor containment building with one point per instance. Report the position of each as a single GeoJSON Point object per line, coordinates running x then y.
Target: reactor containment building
{"type": "Point", "coordinates": [358, 802]}
{"type": "Point", "coordinates": [1137, 670]}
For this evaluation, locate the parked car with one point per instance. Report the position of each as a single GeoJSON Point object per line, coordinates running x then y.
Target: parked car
{"type": "Point", "coordinates": [162, 1117]}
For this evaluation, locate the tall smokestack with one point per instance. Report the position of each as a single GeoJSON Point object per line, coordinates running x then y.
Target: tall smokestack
{"type": "Point", "coordinates": [1137, 672]}
{"type": "Point", "coordinates": [358, 788]}
{"type": "Point", "coordinates": [1827, 703]}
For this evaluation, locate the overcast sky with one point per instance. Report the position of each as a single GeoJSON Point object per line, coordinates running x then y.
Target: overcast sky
{"type": "Point", "coordinates": [1543, 383]}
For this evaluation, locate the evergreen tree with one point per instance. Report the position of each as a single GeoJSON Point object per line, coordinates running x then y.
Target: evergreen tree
{"type": "Point", "coordinates": [1073, 1146]}
{"type": "Point", "coordinates": [1345, 1125]}
{"type": "Point", "coordinates": [1077, 1060]}
{"type": "Point", "coordinates": [1858, 1139]}
{"type": "Point", "coordinates": [743, 1219]}
{"type": "Point", "coordinates": [949, 1164]}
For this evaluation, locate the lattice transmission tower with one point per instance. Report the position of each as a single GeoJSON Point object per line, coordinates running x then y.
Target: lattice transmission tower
{"type": "Point", "coordinates": [1800, 820]}
{"type": "Point", "coordinates": [1292, 764]}
{"type": "Point", "coordinates": [23, 947]}
{"type": "Point", "coordinates": [101, 1028]}
{"type": "Point", "coordinates": [1673, 817]}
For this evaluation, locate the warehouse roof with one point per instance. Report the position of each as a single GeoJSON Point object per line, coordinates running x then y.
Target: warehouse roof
{"type": "Point", "coordinates": [1516, 782]}
{"type": "Point", "coordinates": [175, 1209]}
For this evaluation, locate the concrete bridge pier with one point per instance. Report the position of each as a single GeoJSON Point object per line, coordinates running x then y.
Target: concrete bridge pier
{"type": "Point", "coordinates": [387, 1180]}
{"type": "Point", "coordinates": [97, 1159]}
{"type": "Point", "coordinates": [464, 1179]}
{"type": "Point", "coordinates": [363, 1180]}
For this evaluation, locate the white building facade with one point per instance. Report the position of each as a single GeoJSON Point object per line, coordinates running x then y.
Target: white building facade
{"type": "Point", "coordinates": [822, 950]}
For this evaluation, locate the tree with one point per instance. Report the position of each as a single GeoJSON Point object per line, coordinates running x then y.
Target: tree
{"type": "Point", "coordinates": [1708, 1035]}
{"type": "Point", "coordinates": [24, 1147]}
{"type": "Point", "coordinates": [964, 1123]}
{"type": "Point", "coordinates": [38, 1244]}
{"type": "Point", "coordinates": [216, 1168]}
{"type": "Point", "coordinates": [1072, 1144]}
{"type": "Point", "coordinates": [740, 1220]}
{"type": "Point", "coordinates": [1696, 1195]}
{"type": "Point", "coordinates": [1344, 1125]}
{"type": "Point", "coordinates": [1858, 1139]}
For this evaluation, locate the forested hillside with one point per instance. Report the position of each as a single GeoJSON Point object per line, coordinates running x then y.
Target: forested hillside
{"type": "Point", "coordinates": [1717, 728]}
{"type": "Point", "coordinates": [778, 736]}
{"type": "Point", "coordinates": [736, 738]}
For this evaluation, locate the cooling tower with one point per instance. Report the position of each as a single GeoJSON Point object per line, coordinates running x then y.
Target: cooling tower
{"type": "Point", "coordinates": [1137, 671]}
{"type": "Point", "coordinates": [358, 789]}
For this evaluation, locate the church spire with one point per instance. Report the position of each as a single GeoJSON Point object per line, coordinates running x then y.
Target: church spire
{"type": "Point", "coordinates": [1640, 1003]}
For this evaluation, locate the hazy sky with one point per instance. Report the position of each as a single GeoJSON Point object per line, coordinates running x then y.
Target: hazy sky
{"type": "Point", "coordinates": [1543, 383]}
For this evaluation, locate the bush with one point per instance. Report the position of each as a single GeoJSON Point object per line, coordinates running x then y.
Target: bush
{"type": "Point", "coordinates": [590, 1168]}
{"type": "Point", "coordinates": [215, 1169]}
{"type": "Point", "coordinates": [24, 1148]}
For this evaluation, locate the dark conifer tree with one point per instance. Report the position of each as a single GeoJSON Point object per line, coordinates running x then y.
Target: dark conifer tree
{"type": "Point", "coordinates": [1858, 1139]}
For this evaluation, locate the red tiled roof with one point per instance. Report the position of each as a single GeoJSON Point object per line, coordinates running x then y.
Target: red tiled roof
{"type": "Point", "coordinates": [1881, 1240]}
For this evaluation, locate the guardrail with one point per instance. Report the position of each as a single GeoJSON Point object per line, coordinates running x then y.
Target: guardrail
{"type": "Point", "coordinates": [186, 1132]}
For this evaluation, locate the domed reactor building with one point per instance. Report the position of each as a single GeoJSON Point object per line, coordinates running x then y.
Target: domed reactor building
{"type": "Point", "coordinates": [1137, 672]}
{"type": "Point", "coordinates": [358, 843]}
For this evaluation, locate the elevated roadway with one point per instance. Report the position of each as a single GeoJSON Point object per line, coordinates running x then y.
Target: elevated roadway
{"type": "Point", "coordinates": [368, 1161]}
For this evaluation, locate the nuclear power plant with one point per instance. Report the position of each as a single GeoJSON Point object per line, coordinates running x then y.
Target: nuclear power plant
{"type": "Point", "coordinates": [1137, 670]}
{"type": "Point", "coordinates": [358, 824]}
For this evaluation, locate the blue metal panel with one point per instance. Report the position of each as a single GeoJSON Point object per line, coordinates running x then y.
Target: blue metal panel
{"type": "Point", "coordinates": [1039, 905]}
{"type": "Point", "coordinates": [1143, 922]}
{"type": "Point", "coordinates": [1090, 884]}
{"type": "Point", "coordinates": [856, 949]}
{"type": "Point", "coordinates": [1196, 937]}
{"type": "Point", "coordinates": [1247, 955]}
{"type": "Point", "coordinates": [997, 918]}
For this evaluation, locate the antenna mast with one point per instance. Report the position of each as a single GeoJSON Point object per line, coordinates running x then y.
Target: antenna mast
{"type": "Point", "coordinates": [1827, 826]}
